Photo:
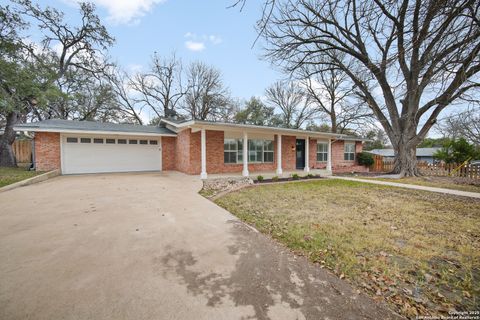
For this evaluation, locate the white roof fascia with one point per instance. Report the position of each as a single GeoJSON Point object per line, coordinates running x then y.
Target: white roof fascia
{"type": "Point", "coordinates": [118, 133]}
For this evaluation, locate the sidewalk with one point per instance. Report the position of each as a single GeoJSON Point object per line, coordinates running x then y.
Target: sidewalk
{"type": "Point", "coordinates": [412, 186]}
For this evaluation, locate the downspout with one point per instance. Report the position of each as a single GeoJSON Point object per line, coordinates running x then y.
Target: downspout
{"type": "Point", "coordinates": [33, 166]}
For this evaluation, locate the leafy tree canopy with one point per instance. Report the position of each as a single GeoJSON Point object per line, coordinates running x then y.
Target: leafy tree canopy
{"type": "Point", "coordinates": [457, 151]}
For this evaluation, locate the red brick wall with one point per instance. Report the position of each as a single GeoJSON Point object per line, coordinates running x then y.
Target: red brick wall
{"type": "Point", "coordinates": [314, 164]}
{"type": "Point", "coordinates": [182, 151]}
{"type": "Point", "coordinates": [195, 152]}
{"type": "Point", "coordinates": [288, 152]}
{"type": "Point", "coordinates": [341, 165]}
{"type": "Point", "coordinates": [168, 153]}
{"type": "Point", "coordinates": [47, 151]}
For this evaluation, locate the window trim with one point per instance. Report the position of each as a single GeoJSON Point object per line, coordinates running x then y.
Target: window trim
{"type": "Point", "coordinates": [72, 140]}
{"type": "Point", "coordinates": [240, 155]}
{"type": "Point", "coordinates": [238, 151]}
{"type": "Point", "coordinates": [346, 155]}
{"type": "Point", "coordinates": [325, 143]}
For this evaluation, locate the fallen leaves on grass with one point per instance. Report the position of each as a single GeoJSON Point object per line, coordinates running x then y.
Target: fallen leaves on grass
{"type": "Point", "coordinates": [418, 251]}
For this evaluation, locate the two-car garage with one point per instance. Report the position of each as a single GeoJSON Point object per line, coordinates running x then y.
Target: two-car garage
{"type": "Point", "coordinates": [102, 153]}
{"type": "Point", "coordinates": [77, 147]}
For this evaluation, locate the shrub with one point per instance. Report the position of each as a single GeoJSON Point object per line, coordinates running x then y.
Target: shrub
{"type": "Point", "coordinates": [365, 158]}
{"type": "Point", "coordinates": [259, 178]}
{"type": "Point", "coordinates": [295, 176]}
{"type": "Point", "coordinates": [275, 178]}
{"type": "Point", "coordinates": [310, 175]}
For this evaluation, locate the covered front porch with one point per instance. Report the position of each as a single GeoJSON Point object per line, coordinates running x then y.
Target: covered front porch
{"type": "Point", "coordinates": [289, 153]}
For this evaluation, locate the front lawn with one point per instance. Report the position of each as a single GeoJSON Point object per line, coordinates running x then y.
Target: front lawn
{"type": "Point", "coordinates": [455, 183]}
{"type": "Point", "coordinates": [12, 175]}
{"type": "Point", "coordinates": [419, 251]}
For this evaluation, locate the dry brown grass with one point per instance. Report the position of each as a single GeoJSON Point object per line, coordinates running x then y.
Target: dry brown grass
{"type": "Point", "coordinates": [462, 184]}
{"type": "Point", "coordinates": [419, 251]}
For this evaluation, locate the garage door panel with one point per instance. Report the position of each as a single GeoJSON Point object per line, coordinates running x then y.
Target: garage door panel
{"type": "Point", "coordinates": [101, 157]}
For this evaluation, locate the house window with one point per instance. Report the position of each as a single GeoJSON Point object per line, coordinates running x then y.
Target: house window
{"type": "Point", "coordinates": [110, 141]}
{"type": "Point", "coordinates": [232, 151]}
{"type": "Point", "coordinates": [122, 141]}
{"type": "Point", "coordinates": [255, 150]}
{"type": "Point", "coordinates": [267, 151]}
{"type": "Point", "coordinates": [72, 140]}
{"type": "Point", "coordinates": [85, 140]}
{"type": "Point", "coordinates": [260, 151]}
{"type": "Point", "coordinates": [349, 151]}
{"type": "Point", "coordinates": [97, 140]}
{"type": "Point", "coordinates": [322, 151]}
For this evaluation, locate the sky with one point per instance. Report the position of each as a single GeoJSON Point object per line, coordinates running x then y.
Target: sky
{"type": "Point", "coordinates": [194, 30]}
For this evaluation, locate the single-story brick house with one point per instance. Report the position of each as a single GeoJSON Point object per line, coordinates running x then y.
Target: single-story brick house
{"type": "Point", "coordinates": [189, 146]}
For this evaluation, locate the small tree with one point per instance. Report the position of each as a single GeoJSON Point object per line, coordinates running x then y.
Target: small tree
{"type": "Point", "coordinates": [161, 87]}
{"type": "Point", "coordinates": [457, 151]}
{"type": "Point", "coordinates": [206, 93]}
{"type": "Point", "coordinates": [291, 99]}
{"type": "Point", "coordinates": [256, 113]}
{"type": "Point", "coordinates": [378, 139]}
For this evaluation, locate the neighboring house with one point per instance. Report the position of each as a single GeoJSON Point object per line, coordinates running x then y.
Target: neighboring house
{"type": "Point", "coordinates": [192, 147]}
{"type": "Point", "coordinates": [423, 154]}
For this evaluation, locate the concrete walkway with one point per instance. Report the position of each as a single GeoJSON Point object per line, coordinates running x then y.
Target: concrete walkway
{"type": "Point", "coordinates": [413, 186]}
{"type": "Point", "coordinates": [148, 246]}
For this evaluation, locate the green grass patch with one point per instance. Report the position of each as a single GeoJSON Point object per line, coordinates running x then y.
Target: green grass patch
{"type": "Point", "coordinates": [12, 175]}
{"type": "Point", "coordinates": [420, 251]}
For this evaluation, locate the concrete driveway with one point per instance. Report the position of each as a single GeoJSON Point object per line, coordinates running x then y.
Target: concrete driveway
{"type": "Point", "coordinates": [147, 246]}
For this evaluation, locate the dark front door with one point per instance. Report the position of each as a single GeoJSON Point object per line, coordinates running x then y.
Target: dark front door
{"type": "Point", "coordinates": [300, 153]}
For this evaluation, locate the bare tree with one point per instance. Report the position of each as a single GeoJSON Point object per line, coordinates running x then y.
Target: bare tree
{"type": "Point", "coordinates": [291, 99]}
{"type": "Point", "coordinates": [121, 85]}
{"type": "Point", "coordinates": [206, 95]}
{"type": "Point", "coordinates": [409, 59]}
{"type": "Point", "coordinates": [332, 92]}
{"type": "Point", "coordinates": [463, 125]}
{"type": "Point", "coordinates": [161, 87]}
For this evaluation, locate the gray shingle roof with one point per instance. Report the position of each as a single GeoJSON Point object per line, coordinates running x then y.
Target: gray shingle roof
{"type": "Point", "coordinates": [65, 125]}
{"type": "Point", "coordinates": [421, 152]}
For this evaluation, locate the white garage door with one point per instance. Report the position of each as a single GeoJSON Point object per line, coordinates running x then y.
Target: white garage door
{"type": "Point", "coordinates": [92, 154]}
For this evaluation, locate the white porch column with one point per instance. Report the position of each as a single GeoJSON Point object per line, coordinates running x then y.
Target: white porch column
{"type": "Point", "coordinates": [245, 155]}
{"type": "Point", "coordinates": [329, 155]}
{"type": "Point", "coordinates": [279, 154]}
{"type": "Point", "coordinates": [307, 155]}
{"type": "Point", "coordinates": [203, 147]}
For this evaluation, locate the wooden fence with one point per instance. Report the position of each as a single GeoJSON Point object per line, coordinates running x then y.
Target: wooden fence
{"type": "Point", "coordinates": [438, 169]}
{"type": "Point", "coordinates": [23, 151]}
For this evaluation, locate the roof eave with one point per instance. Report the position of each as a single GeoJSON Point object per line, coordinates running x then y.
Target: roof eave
{"type": "Point", "coordinates": [196, 124]}
{"type": "Point", "coordinates": [80, 131]}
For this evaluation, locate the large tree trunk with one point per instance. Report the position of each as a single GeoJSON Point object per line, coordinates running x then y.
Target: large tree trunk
{"type": "Point", "coordinates": [7, 158]}
{"type": "Point", "coordinates": [405, 163]}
